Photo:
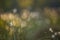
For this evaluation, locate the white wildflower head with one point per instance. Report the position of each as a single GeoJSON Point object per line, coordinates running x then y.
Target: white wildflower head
{"type": "Point", "coordinates": [50, 29]}
{"type": "Point", "coordinates": [11, 24]}
{"type": "Point", "coordinates": [59, 33]}
{"type": "Point", "coordinates": [53, 36]}
{"type": "Point", "coordinates": [14, 10]}
{"type": "Point", "coordinates": [55, 33]}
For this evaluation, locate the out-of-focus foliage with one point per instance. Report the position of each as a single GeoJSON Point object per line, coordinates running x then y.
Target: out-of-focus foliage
{"type": "Point", "coordinates": [3, 31]}
{"type": "Point", "coordinates": [25, 14]}
{"type": "Point", "coordinates": [52, 15]}
{"type": "Point", "coordinates": [30, 25]}
{"type": "Point", "coordinates": [5, 5]}
{"type": "Point", "coordinates": [1, 3]}
{"type": "Point", "coordinates": [10, 25]}
{"type": "Point", "coordinates": [2, 23]}
{"type": "Point", "coordinates": [11, 18]}
{"type": "Point", "coordinates": [8, 3]}
{"type": "Point", "coordinates": [25, 3]}
{"type": "Point", "coordinates": [41, 2]}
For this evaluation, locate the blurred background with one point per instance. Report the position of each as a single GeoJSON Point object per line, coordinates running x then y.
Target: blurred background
{"type": "Point", "coordinates": [29, 19]}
